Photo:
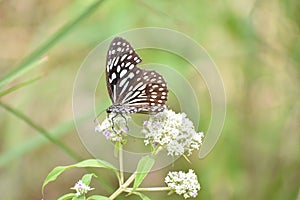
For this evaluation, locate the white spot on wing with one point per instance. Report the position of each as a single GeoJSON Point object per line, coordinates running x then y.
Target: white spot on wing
{"type": "Point", "coordinates": [123, 57]}
{"type": "Point", "coordinates": [122, 82]}
{"type": "Point", "coordinates": [131, 75]}
{"type": "Point", "coordinates": [124, 87]}
{"type": "Point", "coordinates": [116, 61]}
{"type": "Point", "coordinates": [127, 95]}
{"type": "Point", "coordinates": [131, 66]}
{"type": "Point", "coordinates": [142, 87]}
{"type": "Point", "coordinates": [127, 64]}
{"type": "Point", "coordinates": [123, 72]}
{"type": "Point", "coordinates": [138, 85]}
{"type": "Point", "coordinates": [111, 64]}
{"type": "Point", "coordinates": [114, 93]}
{"type": "Point", "coordinates": [130, 88]}
{"type": "Point", "coordinates": [113, 76]}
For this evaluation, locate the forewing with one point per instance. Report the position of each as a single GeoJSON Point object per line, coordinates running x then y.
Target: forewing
{"type": "Point", "coordinates": [121, 60]}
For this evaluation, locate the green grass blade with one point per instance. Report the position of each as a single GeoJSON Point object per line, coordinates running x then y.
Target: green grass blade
{"type": "Point", "coordinates": [41, 130]}
{"type": "Point", "coordinates": [30, 61]}
{"type": "Point", "coordinates": [20, 85]}
{"type": "Point", "coordinates": [33, 143]}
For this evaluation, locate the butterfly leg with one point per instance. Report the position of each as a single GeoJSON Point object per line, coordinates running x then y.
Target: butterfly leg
{"type": "Point", "coordinates": [113, 123]}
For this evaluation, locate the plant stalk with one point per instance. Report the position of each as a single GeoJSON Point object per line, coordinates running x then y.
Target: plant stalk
{"type": "Point", "coordinates": [123, 187]}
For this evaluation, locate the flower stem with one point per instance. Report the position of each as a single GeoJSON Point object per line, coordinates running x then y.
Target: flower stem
{"type": "Point", "coordinates": [123, 187]}
{"type": "Point", "coordinates": [121, 164]}
{"type": "Point", "coordinates": [150, 189]}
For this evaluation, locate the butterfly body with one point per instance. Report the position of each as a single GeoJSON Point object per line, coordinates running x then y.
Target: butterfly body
{"type": "Point", "coordinates": [132, 89]}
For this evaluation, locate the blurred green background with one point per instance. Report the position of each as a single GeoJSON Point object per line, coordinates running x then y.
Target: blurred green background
{"type": "Point", "coordinates": [255, 45]}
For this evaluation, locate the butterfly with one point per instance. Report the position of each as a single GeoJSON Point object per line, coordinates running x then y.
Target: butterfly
{"type": "Point", "coordinates": [132, 89]}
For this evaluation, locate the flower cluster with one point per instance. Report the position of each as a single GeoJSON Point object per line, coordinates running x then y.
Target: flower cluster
{"type": "Point", "coordinates": [173, 131]}
{"type": "Point", "coordinates": [113, 126]}
{"type": "Point", "coordinates": [185, 184]}
{"type": "Point", "coordinates": [81, 188]}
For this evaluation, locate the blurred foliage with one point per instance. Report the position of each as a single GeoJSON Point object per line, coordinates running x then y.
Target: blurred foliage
{"type": "Point", "coordinates": [256, 45]}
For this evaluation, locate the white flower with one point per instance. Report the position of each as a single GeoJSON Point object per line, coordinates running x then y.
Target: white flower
{"type": "Point", "coordinates": [173, 131]}
{"type": "Point", "coordinates": [185, 184]}
{"type": "Point", "coordinates": [81, 188]}
{"type": "Point", "coordinates": [113, 126]}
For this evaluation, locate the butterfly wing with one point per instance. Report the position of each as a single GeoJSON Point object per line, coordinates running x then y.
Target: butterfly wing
{"type": "Point", "coordinates": [130, 86]}
{"type": "Point", "coordinates": [121, 59]}
{"type": "Point", "coordinates": [148, 91]}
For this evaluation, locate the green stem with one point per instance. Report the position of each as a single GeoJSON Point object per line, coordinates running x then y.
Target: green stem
{"type": "Point", "coordinates": [121, 164]}
{"type": "Point", "coordinates": [157, 150]}
{"type": "Point", "coordinates": [150, 189]}
{"type": "Point", "coordinates": [123, 187]}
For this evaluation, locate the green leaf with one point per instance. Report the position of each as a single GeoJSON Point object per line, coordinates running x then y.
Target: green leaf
{"type": "Point", "coordinates": [143, 197]}
{"type": "Point", "coordinates": [95, 163]}
{"type": "Point", "coordinates": [81, 197]}
{"type": "Point", "coordinates": [67, 196]}
{"type": "Point", "coordinates": [52, 176]}
{"type": "Point", "coordinates": [143, 168]}
{"type": "Point", "coordinates": [98, 197]}
{"type": "Point", "coordinates": [86, 179]}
